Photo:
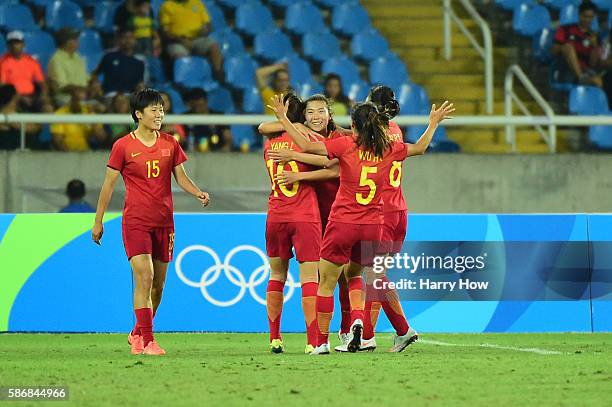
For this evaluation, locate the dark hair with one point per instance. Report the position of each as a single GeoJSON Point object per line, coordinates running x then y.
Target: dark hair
{"type": "Point", "coordinates": [143, 98]}
{"type": "Point", "coordinates": [75, 189]}
{"type": "Point", "coordinates": [7, 93]}
{"type": "Point", "coordinates": [586, 6]}
{"type": "Point", "coordinates": [295, 111]}
{"type": "Point", "coordinates": [342, 98]}
{"type": "Point", "coordinates": [384, 98]}
{"type": "Point", "coordinates": [279, 71]}
{"type": "Point", "coordinates": [124, 30]}
{"type": "Point", "coordinates": [331, 125]}
{"type": "Point", "coordinates": [195, 94]}
{"type": "Point", "coordinates": [66, 34]}
{"type": "Point", "coordinates": [371, 126]}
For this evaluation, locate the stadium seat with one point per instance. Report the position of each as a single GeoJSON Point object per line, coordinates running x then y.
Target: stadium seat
{"type": "Point", "coordinates": [343, 66]}
{"type": "Point", "coordinates": [601, 137]}
{"type": "Point", "coordinates": [39, 3]}
{"type": "Point", "coordinates": [2, 44]}
{"type": "Point", "coordinates": [334, 3]}
{"type": "Point", "coordinates": [90, 43]}
{"type": "Point", "coordinates": [603, 5]}
{"type": "Point", "coordinates": [528, 20]}
{"type": "Point", "coordinates": [231, 3]}
{"type": "Point", "coordinates": [512, 4]}
{"type": "Point", "coordinates": [281, 3]}
{"type": "Point", "coordinates": [272, 45]}
{"type": "Point", "coordinates": [251, 101]}
{"type": "Point", "coordinates": [240, 72]}
{"type": "Point", "coordinates": [156, 77]}
{"type": "Point", "coordinates": [40, 45]}
{"type": "Point", "coordinates": [320, 46]}
{"type": "Point", "coordinates": [220, 100]}
{"type": "Point", "coordinates": [306, 90]}
{"type": "Point", "coordinates": [299, 70]}
{"type": "Point", "coordinates": [356, 91]}
{"type": "Point", "coordinates": [230, 43]}
{"type": "Point", "coordinates": [178, 106]}
{"type": "Point", "coordinates": [301, 18]}
{"type": "Point", "coordinates": [217, 18]}
{"type": "Point", "coordinates": [16, 17]}
{"type": "Point", "coordinates": [104, 14]}
{"type": "Point", "coordinates": [243, 135]}
{"type": "Point", "coordinates": [569, 15]}
{"type": "Point", "coordinates": [444, 146]}
{"type": "Point", "coordinates": [253, 18]}
{"type": "Point", "coordinates": [192, 72]}
{"type": "Point", "coordinates": [389, 71]}
{"type": "Point", "coordinates": [64, 14]}
{"type": "Point", "coordinates": [413, 99]}
{"type": "Point", "coordinates": [369, 45]}
{"type": "Point", "coordinates": [542, 45]}
{"type": "Point", "coordinates": [559, 4]}
{"type": "Point", "coordinates": [156, 5]}
{"type": "Point", "coordinates": [413, 133]}
{"type": "Point", "coordinates": [92, 61]}
{"type": "Point", "coordinates": [588, 100]}
{"type": "Point", "coordinates": [350, 18]}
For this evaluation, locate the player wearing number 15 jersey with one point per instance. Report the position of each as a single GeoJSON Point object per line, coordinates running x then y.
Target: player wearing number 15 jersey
{"type": "Point", "coordinates": [146, 159]}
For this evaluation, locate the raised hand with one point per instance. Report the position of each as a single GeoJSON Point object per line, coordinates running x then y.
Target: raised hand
{"type": "Point", "coordinates": [281, 156]}
{"type": "Point", "coordinates": [277, 105]}
{"type": "Point", "coordinates": [438, 114]}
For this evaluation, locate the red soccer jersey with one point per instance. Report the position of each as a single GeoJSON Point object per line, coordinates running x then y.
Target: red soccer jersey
{"type": "Point", "coordinates": [293, 203]}
{"type": "Point", "coordinates": [147, 173]}
{"type": "Point", "coordinates": [392, 195]}
{"type": "Point", "coordinates": [327, 190]}
{"type": "Point", "coordinates": [362, 177]}
{"type": "Point", "coordinates": [584, 42]}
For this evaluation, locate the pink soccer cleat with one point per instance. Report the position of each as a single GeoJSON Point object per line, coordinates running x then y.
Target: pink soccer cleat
{"type": "Point", "coordinates": [136, 343]}
{"type": "Point", "coordinates": [153, 349]}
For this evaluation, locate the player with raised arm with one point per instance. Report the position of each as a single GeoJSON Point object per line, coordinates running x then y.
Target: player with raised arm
{"type": "Point", "coordinates": [356, 219]}
{"type": "Point", "coordinates": [146, 159]}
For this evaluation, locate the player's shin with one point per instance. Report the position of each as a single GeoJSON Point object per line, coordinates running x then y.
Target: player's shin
{"type": "Point", "coordinates": [329, 273]}
{"type": "Point", "coordinates": [345, 304]}
{"type": "Point", "coordinates": [310, 286]}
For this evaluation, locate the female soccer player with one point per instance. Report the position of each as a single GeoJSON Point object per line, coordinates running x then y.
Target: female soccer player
{"type": "Point", "coordinates": [355, 222]}
{"type": "Point", "coordinates": [146, 158]}
{"type": "Point", "coordinates": [293, 221]}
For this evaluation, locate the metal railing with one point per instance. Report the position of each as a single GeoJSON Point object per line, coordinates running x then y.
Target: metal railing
{"type": "Point", "coordinates": [510, 97]}
{"type": "Point", "coordinates": [485, 51]}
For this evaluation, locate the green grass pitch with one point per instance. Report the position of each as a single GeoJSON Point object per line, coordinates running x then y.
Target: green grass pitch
{"type": "Point", "coordinates": [237, 369]}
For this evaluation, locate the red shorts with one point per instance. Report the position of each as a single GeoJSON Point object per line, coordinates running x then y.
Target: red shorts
{"type": "Point", "coordinates": [346, 241]}
{"type": "Point", "coordinates": [305, 237]}
{"type": "Point", "coordinates": [393, 232]}
{"type": "Point", "coordinates": [158, 242]}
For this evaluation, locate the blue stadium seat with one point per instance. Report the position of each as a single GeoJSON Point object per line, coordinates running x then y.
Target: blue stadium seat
{"type": "Point", "coordinates": [320, 46]}
{"type": "Point", "coordinates": [413, 133]}
{"type": "Point", "coordinates": [601, 137]}
{"type": "Point", "coordinates": [603, 5]}
{"type": "Point", "coordinates": [559, 4]}
{"type": "Point", "coordinates": [40, 3]}
{"type": "Point", "coordinates": [92, 61]}
{"type": "Point", "coordinates": [350, 18]}
{"type": "Point", "coordinates": [301, 18]}
{"type": "Point", "coordinates": [413, 99]}
{"type": "Point", "coordinates": [156, 77]}
{"type": "Point", "coordinates": [251, 101]}
{"type": "Point", "coordinates": [542, 44]}
{"type": "Point", "coordinates": [64, 14]}
{"type": "Point", "coordinates": [369, 45]}
{"type": "Point", "coordinates": [253, 18]}
{"type": "Point", "coordinates": [240, 72]}
{"type": "Point", "coordinates": [334, 3]}
{"type": "Point", "coordinates": [90, 43]}
{"type": "Point", "coordinates": [156, 5]}
{"type": "Point", "coordinates": [512, 4]}
{"type": "Point", "coordinates": [281, 3]}
{"type": "Point", "coordinates": [230, 43]}
{"type": "Point", "coordinates": [390, 71]}
{"type": "Point", "coordinates": [347, 69]}
{"type": "Point", "coordinates": [272, 45]}
{"type": "Point", "coordinates": [231, 3]}
{"type": "Point", "coordinates": [444, 146]}
{"type": "Point", "coordinates": [104, 14]}
{"type": "Point", "coordinates": [2, 44]}
{"type": "Point", "coordinates": [588, 100]}
{"type": "Point", "coordinates": [356, 91]}
{"type": "Point", "coordinates": [17, 17]}
{"type": "Point", "coordinates": [299, 70]}
{"type": "Point", "coordinates": [527, 20]}
{"type": "Point", "coordinates": [40, 45]}
{"type": "Point", "coordinates": [306, 90]}
{"type": "Point", "coordinates": [191, 72]}
{"type": "Point", "coordinates": [217, 18]}
{"type": "Point", "coordinates": [178, 106]}
{"type": "Point", "coordinates": [569, 15]}
{"type": "Point", "coordinates": [220, 100]}
{"type": "Point", "coordinates": [243, 135]}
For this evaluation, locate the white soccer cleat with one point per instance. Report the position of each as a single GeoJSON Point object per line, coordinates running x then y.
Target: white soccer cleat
{"type": "Point", "coordinates": [355, 336]}
{"type": "Point", "coordinates": [344, 338]}
{"type": "Point", "coordinates": [321, 349]}
{"type": "Point", "coordinates": [401, 342]}
{"type": "Point", "coordinates": [366, 345]}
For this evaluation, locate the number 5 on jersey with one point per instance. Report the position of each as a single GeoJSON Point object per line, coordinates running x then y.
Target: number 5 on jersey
{"type": "Point", "coordinates": [364, 181]}
{"type": "Point", "coordinates": [153, 169]}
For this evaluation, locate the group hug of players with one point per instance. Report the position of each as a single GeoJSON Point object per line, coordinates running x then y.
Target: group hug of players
{"type": "Point", "coordinates": [336, 199]}
{"type": "Point", "coordinates": [334, 191]}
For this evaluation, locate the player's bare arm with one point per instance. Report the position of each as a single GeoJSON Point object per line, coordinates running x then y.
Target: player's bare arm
{"type": "Point", "coordinates": [324, 174]}
{"type": "Point", "coordinates": [187, 184]}
{"type": "Point", "coordinates": [286, 155]}
{"type": "Point", "coordinates": [436, 116]}
{"type": "Point", "coordinates": [105, 195]}
{"type": "Point", "coordinates": [276, 126]}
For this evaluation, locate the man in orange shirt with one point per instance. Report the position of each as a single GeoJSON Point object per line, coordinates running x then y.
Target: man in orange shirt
{"type": "Point", "coordinates": [23, 72]}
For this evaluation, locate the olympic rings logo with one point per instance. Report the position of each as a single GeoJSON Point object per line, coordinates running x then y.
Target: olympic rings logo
{"type": "Point", "coordinates": [210, 275]}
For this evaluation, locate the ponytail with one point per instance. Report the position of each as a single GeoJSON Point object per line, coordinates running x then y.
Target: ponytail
{"type": "Point", "coordinates": [384, 98]}
{"type": "Point", "coordinates": [372, 128]}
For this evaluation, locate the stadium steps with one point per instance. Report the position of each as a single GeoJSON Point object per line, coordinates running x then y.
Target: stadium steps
{"type": "Point", "coordinates": [420, 43]}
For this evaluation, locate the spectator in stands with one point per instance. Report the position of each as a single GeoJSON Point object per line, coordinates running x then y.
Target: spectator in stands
{"type": "Point", "coordinates": [66, 68]}
{"type": "Point", "coordinates": [23, 72]}
{"type": "Point", "coordinates": [75, 191]}
{"type": "Point", "coordinates": [279, 83]}
{"type": "Point", "coordinates": [176, 130]}
{"type": "Point", "coordinates": [137, 15]}
{"type": "Point", "coordinates": [123, 73]}
{"type": "Point", "coordinates": [10, 133]}
{"type": "Point", "coordinates": [120, 104]}
{"type": "Point", "coordinates": [340, 103]}
{"type": "Point", "coordinates": [575, 47]}
{"type": "Point", "coordinates": [185, 25]}
{"type": "Point", "coordinates": [75, 136]}
{"type": "Point", "coordinates": [205, 137]}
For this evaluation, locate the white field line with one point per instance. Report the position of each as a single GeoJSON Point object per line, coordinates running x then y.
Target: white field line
{"type": "Point", "coordinates": [493, 346]}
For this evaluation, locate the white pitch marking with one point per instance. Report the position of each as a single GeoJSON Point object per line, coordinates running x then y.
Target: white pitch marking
{"type": "Point", "coordinates": [493, 346]}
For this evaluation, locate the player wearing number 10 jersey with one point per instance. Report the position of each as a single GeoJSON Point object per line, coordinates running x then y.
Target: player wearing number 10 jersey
{"type": "Point", "coordinates": [146, 159]}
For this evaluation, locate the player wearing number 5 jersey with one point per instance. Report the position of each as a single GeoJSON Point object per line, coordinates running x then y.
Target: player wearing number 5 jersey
{"type": "Point", "coordinates": [146, 159]}
{"type": "Point", "coordinates": [357, 214]}
{"type": "Point", "coordinates": [293, 222]}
